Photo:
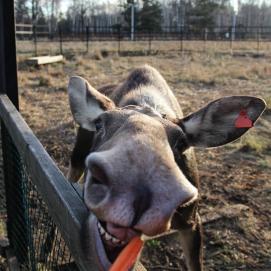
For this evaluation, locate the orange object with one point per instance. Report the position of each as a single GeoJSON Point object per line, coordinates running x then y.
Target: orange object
{"type": "Point", "coordinates": [128, 256]}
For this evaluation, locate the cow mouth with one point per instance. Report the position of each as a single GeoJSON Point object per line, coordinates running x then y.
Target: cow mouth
{"type": "Point", "coordinates": [104, 241]}
{"type": "Point", "coordinates": [115, 238]}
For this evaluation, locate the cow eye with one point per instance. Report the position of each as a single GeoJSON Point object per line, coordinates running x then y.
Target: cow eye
{"type": "Point", "coordinates": [98, 124]}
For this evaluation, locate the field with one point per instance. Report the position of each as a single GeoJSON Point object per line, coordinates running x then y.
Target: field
{"type": "Point", "coordinates": [235, 179]}
{"type": "Point", "coordinates": [145, 47]}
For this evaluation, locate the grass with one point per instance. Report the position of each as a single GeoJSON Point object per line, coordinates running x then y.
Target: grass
{"type": "Point", "coordinates": [196, 79]}
{"type": "Point", "coordinates": [142, 47]}
{"type": "Point", "coordinates": [153, 243]}
{"type": "Point", "coordinates": [256, 143]}
{"type": "Point", "coordinates": [3, 230]}
{"type": "Point", "coordinates": [265, 163]}
{"type": "Point", "coordinates": [44, 81]}
{"type": "Point", "coordinates": [268, 103]}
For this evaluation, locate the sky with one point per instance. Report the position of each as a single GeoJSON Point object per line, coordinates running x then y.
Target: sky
{"type": "Point", "coordinates": [65, 3]}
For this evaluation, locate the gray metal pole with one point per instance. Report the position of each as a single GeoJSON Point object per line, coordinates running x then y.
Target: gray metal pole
{"type": "Point", "coordinates": [233, 26]}
{"type": "Point", "coordinates": [132, 20]}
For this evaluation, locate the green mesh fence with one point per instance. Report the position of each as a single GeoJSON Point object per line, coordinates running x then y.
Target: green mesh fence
{"type": "Point", "coordinates": [3, 211]}
{"type": "Point", "coordinates": [33, 236]}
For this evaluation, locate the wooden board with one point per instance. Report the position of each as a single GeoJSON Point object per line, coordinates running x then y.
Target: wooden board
{"type": "Point", "coordinates": [24, 25]}
{"type": "Point", "coordinates": [40, 60]}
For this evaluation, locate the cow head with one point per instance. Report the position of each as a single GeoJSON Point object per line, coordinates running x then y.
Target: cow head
{"type": "Point", "coordinates": [133, 183]}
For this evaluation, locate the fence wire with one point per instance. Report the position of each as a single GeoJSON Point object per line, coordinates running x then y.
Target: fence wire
{"type": "Point", "coordinates": [33, 236]}
{"type": "Point", "coordinates": [3, 210]}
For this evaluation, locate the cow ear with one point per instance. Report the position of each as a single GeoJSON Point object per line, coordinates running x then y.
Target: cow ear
{"type": "Point", "coordinates": [86, 102]}
{"type": "Point", "coordinates": [222, 121]}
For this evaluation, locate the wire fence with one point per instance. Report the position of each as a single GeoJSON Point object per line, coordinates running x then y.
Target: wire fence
{"type": "Point", "coordinates": [121, 40]}
{"type": "Point", "coordinates": [41, 213]}
{"type": "Point", "coordinates": [3, 212]}
{"type": "Point", "coordinates": [34, 238]}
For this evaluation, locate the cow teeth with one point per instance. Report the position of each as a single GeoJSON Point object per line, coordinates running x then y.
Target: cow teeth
{"type": "Point", "coordinates": [115, 240]}
{"type": "Point", "coordinates": [101, 229]}
{"type": "Point", "coordinates": [107, 236]}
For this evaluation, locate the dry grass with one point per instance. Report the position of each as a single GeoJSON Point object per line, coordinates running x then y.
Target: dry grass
{"type": "Point", "coordinates": [238, 173]}
{"type": "Point", "coordinates": [255, 143]}
{"type": "Point", "coordinates": [143, 47]}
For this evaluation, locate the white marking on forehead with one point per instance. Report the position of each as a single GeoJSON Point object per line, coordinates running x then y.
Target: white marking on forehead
{"type": "Point", "coordinates": [151, 98]}
{"type": "Point", "coordinates": [141, 108]}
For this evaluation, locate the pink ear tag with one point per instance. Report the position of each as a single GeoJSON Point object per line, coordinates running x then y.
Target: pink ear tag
{"type": "Point", "coordinates": [243, 121]}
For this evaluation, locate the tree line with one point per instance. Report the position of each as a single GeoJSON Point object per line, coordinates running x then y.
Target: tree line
{"type": "Point", "coordinates": [148, 15]}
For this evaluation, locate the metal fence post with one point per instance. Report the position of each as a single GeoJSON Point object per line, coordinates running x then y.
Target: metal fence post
{"type": "Point", "coordinates": [258, 40]}
{"type": "Point", "coordinates": [35, 39]}
{"type": "Point", "coordinates": [205, 38]}
{"type": "Point", "coordinates": [231, 40]}
{"type": "Point", "coordinates": [181, 40]}
{"type": "Point", "coordinates": [119, 38]}
{"type": "Point", "coordinates": [87, 37]}
{"type": "Point", "coordinates": [60, 40]}
{"type": "Point", "coordinates": [150, 40]}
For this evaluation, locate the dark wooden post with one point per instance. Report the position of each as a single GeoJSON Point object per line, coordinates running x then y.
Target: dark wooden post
{"type": "Point", "coordinates": [8, 65]}
{"type": "Point", "coordinates": [13, 172]}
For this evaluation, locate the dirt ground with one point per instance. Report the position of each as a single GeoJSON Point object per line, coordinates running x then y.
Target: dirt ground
{"type": "Point", "coordinates": [235, 180]}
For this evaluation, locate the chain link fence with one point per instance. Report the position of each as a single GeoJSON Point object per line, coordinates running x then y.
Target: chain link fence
{"type": "Point", "coordinates": [33, 236]}
{"type": "Point", "coordinates": [120, 40]}
{"type": "Point", "coordinates": [41, 214]}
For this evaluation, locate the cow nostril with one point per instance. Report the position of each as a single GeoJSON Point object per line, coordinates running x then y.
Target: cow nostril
{"type": "Point", "coordinates": [96, 180]}
{"type": "Point", "coordinates": [99, 175]}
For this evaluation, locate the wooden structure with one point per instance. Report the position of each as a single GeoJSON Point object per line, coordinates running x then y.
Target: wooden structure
{"type": "Point", "coordinates": [24, 29]}
{"type": "Point", "coordinates": [64, 203]}
{"type": "Point", "coordinates": [29, 30]}
{"type": "Point", "coordinates": [41, 60]}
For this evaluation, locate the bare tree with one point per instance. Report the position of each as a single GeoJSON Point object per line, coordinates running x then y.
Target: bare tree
{"type": "Point", "coordinates": [21, 11]}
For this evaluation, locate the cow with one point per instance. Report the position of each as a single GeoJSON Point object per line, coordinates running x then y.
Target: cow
{"type": "Point", "coordinates": [135, 150]}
